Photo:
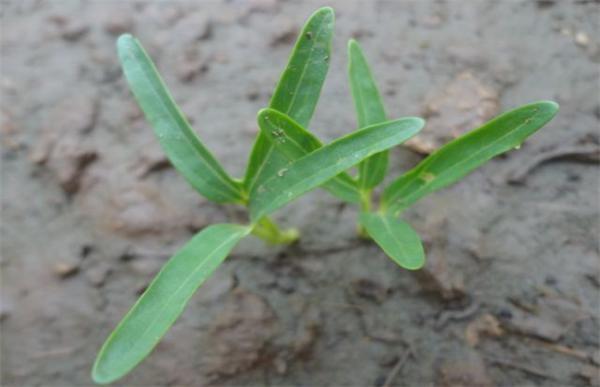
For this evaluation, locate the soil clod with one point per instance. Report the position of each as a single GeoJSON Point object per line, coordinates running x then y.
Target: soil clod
{"type": "Point", "coordinates": [240, 335]}
{"type": "Point", "coordinates": [462, 105]}
{"type": "Point", "coordinates": [467, 370]}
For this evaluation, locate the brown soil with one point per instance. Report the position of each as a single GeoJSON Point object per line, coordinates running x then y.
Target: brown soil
{"type": "Point", "coordinates": [91, 210]}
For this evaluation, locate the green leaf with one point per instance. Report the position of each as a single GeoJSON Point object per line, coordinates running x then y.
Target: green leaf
{"type": "Point", "coordinates": [182, 146]}
{"type": "Point", "coordinates": [319, 166]}
{"type": "Point", "coordinates": [369, 110]}
{"type": "Point", "coordinates": [297, 92]}
{"type": "Point", "coordinates": [462, 155]}
{"type": "Point", "coordinates": [294, 142]}
{"type": "Point", "coordinates": [396, 237]}
{"type": "Point", "coordinates": [164, 300]}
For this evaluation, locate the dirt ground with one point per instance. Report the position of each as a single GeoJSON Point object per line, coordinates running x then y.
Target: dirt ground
{"type": "Point", "coordinates": [91, 209]}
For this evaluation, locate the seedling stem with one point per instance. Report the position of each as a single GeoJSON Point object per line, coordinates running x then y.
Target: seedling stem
{"type": "Point", "coordinates": [268, 231]}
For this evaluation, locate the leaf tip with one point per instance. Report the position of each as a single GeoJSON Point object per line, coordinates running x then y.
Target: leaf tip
{"type": "Point", "coordinates": [101, 371]}
{"type": "Point", "coordinates": [98, 376]}
{"type": "Point", "coordinates": [354, 50]}
{"type": "Point", "coordinates": [414, 265]}
{"type": "Point", "coordinates": [419, 122]}
{"type": "Point", "coordinates": [326, 10]}
{"type": "Point", "coordinates": [126, 44]}
{"type": "Point", "coordinates": [551, 106]}
{"type": "Point", "coordinates": [124, 40]}
{"type": "Point", "coordinates": [263, 113]}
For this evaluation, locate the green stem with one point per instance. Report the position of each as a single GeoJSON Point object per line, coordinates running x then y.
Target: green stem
{"type": "Point", "coordinates": [268, 231]}
{"type": "Point", "coordinates": [365, 206]}
{"type": "Point", "coordinates": [365, 201]}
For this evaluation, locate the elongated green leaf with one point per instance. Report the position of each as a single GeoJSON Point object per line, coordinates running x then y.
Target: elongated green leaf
{"type": "Point", "coordinates": [396, 237]}
{"type": "Point", "coordinates": [297, 92]}
{"type": "Point", "coordinates": [295, 142]}
{"type": "Point", "coordinates": [182, 146]}
{"type": "Point", "coordinates": [369, 110]}
{"type": "Point", "coordinates": [164, 300]}
{"type": "Point", "coordinates": [319, 166]}
{"type": "Point", "coordinates": [462, 155]}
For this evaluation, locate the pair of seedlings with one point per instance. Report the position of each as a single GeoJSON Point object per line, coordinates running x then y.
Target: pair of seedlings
{"type": "Point", "coordinates": [286, 162]}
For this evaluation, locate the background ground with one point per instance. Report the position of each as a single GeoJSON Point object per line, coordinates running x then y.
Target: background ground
{"type": "Point", "coordinates": [90, 209]}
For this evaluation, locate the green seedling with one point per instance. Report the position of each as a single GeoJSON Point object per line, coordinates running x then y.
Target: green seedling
{"type": "Point", "coordinates": [443, 167]}
{"type": "Point", "coordinates": [286, 162]}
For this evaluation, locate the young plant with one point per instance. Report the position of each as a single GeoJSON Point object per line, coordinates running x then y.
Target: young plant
{"type": "Point", "coordinates": [271, 181]}
{"type": "Point", "coordinates": [443, 167]}
{"type": "Point", "coordinates": [286, 162]}
{"type": "Point", "coordinates": [440, 169]}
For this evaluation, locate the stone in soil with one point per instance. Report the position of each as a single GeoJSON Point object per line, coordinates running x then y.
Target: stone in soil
{"type": "Point", "coordinates": [118, 23]}
{"type": "Point", "coordinates": [63, 146]}
{"type": "Point", "coordinates": [462, 105]}
{"type": "Point", "coordinates": [140, 209]}
{"type": "Point", "coordinates": [151, 159]}
{"type": "Point", "coordinates": [285, 32]}
{"type": "Point", "coordinates": [240, 335]}
{"type": "Point", "coordinates": [548, 317]}
{"type": "Point", "coordinates": [484, 325]}
{"type": "Point", "coordinates": [189, 66]}
{"type": "Point", "coordinates": [369, 289]}
{"type": "Point", "coordinates": [192, 28]}
{"type": "Point", "coordinates": [98, 274]}
{"type": "Point", "coordinates": [463, 370]}
{"type": "Point", "coordinates": [438, 276]}
{"type": "Point", "coordinates": [70, 28]}
{"type": "Point", "coordinates": [66, 269]}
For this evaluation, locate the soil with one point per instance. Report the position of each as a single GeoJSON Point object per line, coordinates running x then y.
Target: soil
{"type": "Point", "coordinates": [91, 209]}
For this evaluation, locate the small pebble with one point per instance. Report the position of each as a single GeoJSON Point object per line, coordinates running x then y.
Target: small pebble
{"type": "Point", "coordinates": [582, 39]}
{"type": "Point", "coordinates": [66, 269]}
{"type": "Point", "coordinates": [566, 31]}
{"type": "Point", "coordinates": [5, 310]}
{"type": "Point", "coordinates": [74, 31]}
{"type": "Point", "coordinates": [252, 95]}
{"type": "Point", "coordinates": [545, 3]}
{"type": "Point", "coordinates": [504, 314]}
{"type": "Point", "coordinates": [118, 24]}
{"type": "Point", "coordinates": [388, 360]}
{"type": "Point", "coordinates": [550, 280]}
{"type": "Point", "coordinates": [98, 275]}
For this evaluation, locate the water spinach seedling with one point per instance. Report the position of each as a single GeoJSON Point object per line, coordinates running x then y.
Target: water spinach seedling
{"type": "Point", "coordinates": [286, 162]}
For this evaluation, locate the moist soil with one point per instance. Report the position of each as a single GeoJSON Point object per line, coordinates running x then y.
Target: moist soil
{"type": "Point", "coordinates": [91, 209]}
